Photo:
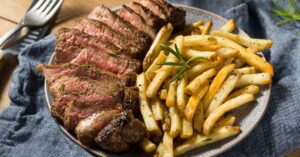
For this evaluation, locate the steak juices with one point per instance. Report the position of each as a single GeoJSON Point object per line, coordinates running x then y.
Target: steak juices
{"type": "Point", "coordinates": [92, 82]}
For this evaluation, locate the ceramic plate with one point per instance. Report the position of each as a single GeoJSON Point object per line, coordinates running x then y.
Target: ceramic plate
{"type": "Point", "coordinates": [248, 116]}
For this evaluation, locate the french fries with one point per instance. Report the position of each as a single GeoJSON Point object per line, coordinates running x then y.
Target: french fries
{"type": "Point", "coordinates": [260, 44]}
{"type": "Point", "coordinates": [257, 79]}
{"type": "Point", "coordinates": [198, 140]}
{"type": "Point", "coordinates": [216, 84]}
{"type": "Point", "coordinates": [222, 93]}
{"type": "Point", "coordinates": [227, 106]}
{"type": "Point", "coordinates": [229, 26]}
{"type": "Point", "coordinates": [161, 38]}
{"type": "Point", "coordinates": [188, 97]}
{"type": "Point", "coordinates": [194, 101]}
{"type": "Point", "coordinates": [145, 109]}
{"type": "Point", "coordinates": [194, 86]}
{"type": "Point", "coordinates": [249, 57]}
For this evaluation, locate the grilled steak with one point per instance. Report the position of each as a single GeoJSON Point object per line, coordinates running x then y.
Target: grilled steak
{"type": "Point", "coordinates": [64, 53]}
{"type": "Point", "coordinates": [155, 8]}
{"type": "Point", "coordinates": [121, 134]}
{"type": "Point", "coordinates": [105, 33]}
{"type": "Point", "coordinates": [149, 17]}
{"type": "Point", "coordinates": [54, 72]}
{"type": "Point", "coordinates": [136, 20]}
{"type": "Point", "coordinates": [176, 14]}
{"type": "Point", "coordinates": [80, 39]}
{"type": "Point", "coordinates": [103, 14]}
{"type": "Point", "coordinates": [108, 62]}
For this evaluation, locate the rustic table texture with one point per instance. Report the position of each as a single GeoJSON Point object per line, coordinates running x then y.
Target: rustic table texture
{"type": "Point", "coordinates": [11, 12]}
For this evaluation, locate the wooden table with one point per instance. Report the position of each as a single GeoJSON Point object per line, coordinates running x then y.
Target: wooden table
{"type": "Point", "coordinates": [11, 12]}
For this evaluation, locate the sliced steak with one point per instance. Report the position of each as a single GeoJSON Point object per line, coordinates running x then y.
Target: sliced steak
{"type": "Point", "coordinates": [155, 8]}
{"type": "Point", "coordinates": [108, 62]}
{"type": "Point", "coordinates": [136, 20]}
{"type": "Point", "coordinates": [64, 53]}
{"type": "Point", "coordinates": [54, 72]}
{"type": "Point", "coordinates": [105, 15]}
{"type": "Point", "coordinates": [88, 128]}
{"type": "Point", "coordinates": [76, 38]}
{"type": "Point", "coordinates": [107, 34]}
{"type": "Point", "coordinates": [121, 134]}
{"type": "Point", "coordinates": [176, 14]}
{"type": "Point", "coordinates": [149, 17]}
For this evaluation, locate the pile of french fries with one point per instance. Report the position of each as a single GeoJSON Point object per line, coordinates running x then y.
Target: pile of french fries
{"type": "Point", "coordinates": [190, 112]}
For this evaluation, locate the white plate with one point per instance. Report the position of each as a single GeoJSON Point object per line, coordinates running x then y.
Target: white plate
{"type": "Point", "coordinates": [248, 116]}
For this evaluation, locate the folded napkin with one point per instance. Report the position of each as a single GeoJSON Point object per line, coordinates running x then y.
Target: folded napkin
{"type": "Point", "coordinates": [27, 128]}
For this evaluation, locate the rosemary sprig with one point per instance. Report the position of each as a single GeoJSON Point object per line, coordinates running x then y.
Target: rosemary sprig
{"type": "Point", "coordinates": [291, 14]}
{"type": "Point", "coordinates": [184, 65]}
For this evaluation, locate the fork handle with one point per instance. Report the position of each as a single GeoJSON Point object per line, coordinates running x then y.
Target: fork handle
{"type": "Point", "coordinates": [9, 34]}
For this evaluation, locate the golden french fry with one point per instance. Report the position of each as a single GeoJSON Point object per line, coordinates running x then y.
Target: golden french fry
{"type": "Point", "coordinates": [187, 128]}
{"type": "Point", "coordinates": [221, 94]}
{"type": "Point", "coordinates": [163, 94]}
{"type": "Point", "coordinates": [145, 109]}
{"type": "Point", "coordinates": [199, 40]}
{"type": "Point", "coordinates": [175, 121]}
{"type": "Point", "coordinates": [168, 145]}
{"type": "Point", "coordinates": [171, 98]}
{"type": "Point", "coordinates": [206, 28]}
{"type": "Point", "coordinates": [251, 89]}
{"type": "Point", "coordinates": [227, 52]}
{"type": "Point", "coordinates": [147, 145]}
{"type": "Point", "coordinates": [257, 79]}
{"type": "Point", "coordinates": [194, 101]}
{"type": "Point", "coordinates": [150, 72]}
{"type": "Point", "coordinates": [203, 66]}
{"type": "Point", "coordinates": [189, 28]}
{"type": "Point", "coordinates": [194, 86]}
{"type": "Point", "coordinates": [240, 62]}
{"type": "Point", "coordinates": [216, 84]}
{"type": "Point", "coordinates": [227, 121]}
{"type": "Point", "coordinates": [161, 38]}
{"type": "Point", "coordinates": [260, 44]}
{"type": "Point", "coordinates": [199, 140]}
{"type": "Point", "coordinates": [160, 150]}
{"type": "Point", "coordinates": [250, 58]}
{"type": "Point", "coordinates": [207, 48]}
{"type": "Point", "coordinates": [245, 70]}
{"type": "Point", "coordinates": [181, 95]}
{"type": "Point", "coordinates": [221, 110]}
{"type": "Point", "coordinates": [199, 117]}
{"type": "Point", "coordinates": [157, 108]}
{"type": "Point", "coordinates": [229, 26]}
{"type": "Point", "coordinates": [190, 53]}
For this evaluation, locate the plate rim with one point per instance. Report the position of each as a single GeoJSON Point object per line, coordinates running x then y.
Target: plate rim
{"type": "Point", "coordinates": [99, 152]}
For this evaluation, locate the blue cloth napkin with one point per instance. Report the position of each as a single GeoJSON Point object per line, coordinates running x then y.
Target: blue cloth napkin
{"type": "Point", "coordinates": [27, 129]}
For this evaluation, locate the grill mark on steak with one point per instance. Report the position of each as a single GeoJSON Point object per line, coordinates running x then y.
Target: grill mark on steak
{"type": "Point", "coordinates": [121, 134]}
{"type": "Point", "coordinates": [107, 34]}
{"type": "Point", "coordinates": [103, 14]}
{"type": "Point", "coordinates": [107, 62]}
{"type": "Point", "coordinates": [136, 20]}
{"type": "Point", "coordinates": [150, 18]}
{"type": "Point", "coordinates": [54, 72]}
{"type": "Point", "coordinates": [155, 8]}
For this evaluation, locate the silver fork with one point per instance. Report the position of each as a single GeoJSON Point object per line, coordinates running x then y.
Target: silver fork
{"type": "Point", "coordinates": [38, 15]}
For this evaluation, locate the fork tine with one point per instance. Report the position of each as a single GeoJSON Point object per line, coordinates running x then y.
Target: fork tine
{"type": "Point", "coordinates": [37, 5]}
{"type": "Point", "coordinates": [49, 7]}
{"type": "Point", "coordinates": [42, 8]}
{"type": "Point", "coordinates": [53, 11]}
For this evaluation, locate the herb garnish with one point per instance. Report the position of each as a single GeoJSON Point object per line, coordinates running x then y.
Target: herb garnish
{"type": "Point", "coordinates": [62, 87]}
{"type": "Point", "coordinates": [184, 65]}
{"type": "Point", "coordinates": [112, 54]}
{"type": "Point", "coordinates": [291, 14]}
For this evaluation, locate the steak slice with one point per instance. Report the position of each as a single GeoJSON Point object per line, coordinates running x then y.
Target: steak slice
{"type": "Point", "coordinates": [155, 8]}
{"type": "Point", "coordinates": [136, 20]}
{"type": "Point", "coordinates": [88, 128]}
{"type": "Point", "coordinates": [149, 17]}
{"type": "Point", "coordinates": [105, 33]}
{"type": "Point", "coordinates": [54, 72]}
{"type": "Point", "coordinates": [103, 14]}
{"type": "Point", "coordinates": [80, 39]}
{"type": "Point", "coordinates": [176, 14]}
{"type": "Point", "coordinates": [64, 53]}
{"type": "Point", "coordinates": [108, 62]}
{"type": "Point", "coordinates": [121, 134]}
